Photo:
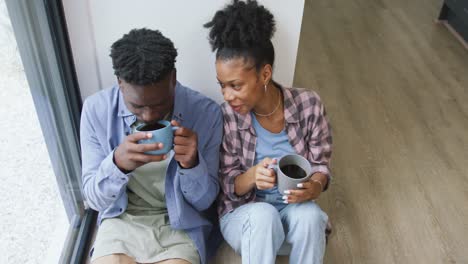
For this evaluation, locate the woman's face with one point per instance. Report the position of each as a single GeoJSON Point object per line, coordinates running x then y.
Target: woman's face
{"type": "Point", "coordinates": [242, 86]}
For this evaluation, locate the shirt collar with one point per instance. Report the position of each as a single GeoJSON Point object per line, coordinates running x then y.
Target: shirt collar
{"type": "Point", "coordinates": [291, 114]}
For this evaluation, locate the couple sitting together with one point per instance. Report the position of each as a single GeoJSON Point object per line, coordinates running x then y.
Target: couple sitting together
{"type": "Point", "coordinates": [158, 208]}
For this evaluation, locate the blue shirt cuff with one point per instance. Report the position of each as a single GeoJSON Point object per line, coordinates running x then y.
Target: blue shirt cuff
{"type": "Point", "coordinates": [194, 181]}
{"type": "Point", "coordinates": [117, 179]}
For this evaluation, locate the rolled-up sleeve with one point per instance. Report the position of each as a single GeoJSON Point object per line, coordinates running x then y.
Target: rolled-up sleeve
{"type": "Point", "coordinates": [103, 182]}
{"type": "Point", "coordinates": [199, 184]}
{"type": "Point", "coordinates": [320, 140]}
{"type": "Point", "coordinates": [230, 164]}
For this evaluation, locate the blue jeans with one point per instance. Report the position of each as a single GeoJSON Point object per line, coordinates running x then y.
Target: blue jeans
{"type": "Point", "coordinates": [259, 232]}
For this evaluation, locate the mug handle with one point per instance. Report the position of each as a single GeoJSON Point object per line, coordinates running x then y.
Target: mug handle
{"type": "Point", "coordinates": [274, 166]}
{"type": "Point", "coordinates": [174, 128]}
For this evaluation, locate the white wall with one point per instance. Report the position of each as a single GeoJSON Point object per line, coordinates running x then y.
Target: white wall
{"type": "Point", "coordinates": [94, 25]}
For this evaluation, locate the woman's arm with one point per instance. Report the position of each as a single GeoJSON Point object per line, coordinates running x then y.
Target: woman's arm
{"type": "Point", "coordinates": [257, 176]}
{"type": "Point", "coordinates": [319, 141]}
{"type": "Point", "coordinates": [244, 182]}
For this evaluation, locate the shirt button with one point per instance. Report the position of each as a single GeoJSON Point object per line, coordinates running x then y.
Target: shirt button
{"type": "Point", "coordinates": [113, 196]}
{"type": "Point", "coordinates": [120, 209]}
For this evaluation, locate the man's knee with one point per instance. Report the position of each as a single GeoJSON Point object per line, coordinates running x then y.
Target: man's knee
{"type": "Point", "coordinates": [114, 259]}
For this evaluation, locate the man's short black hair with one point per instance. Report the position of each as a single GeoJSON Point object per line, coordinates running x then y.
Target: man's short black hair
{"type": "Point", "coordinates": [143, 56]}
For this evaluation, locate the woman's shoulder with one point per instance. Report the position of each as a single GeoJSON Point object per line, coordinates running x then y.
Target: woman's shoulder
{"type": "Point", "coordinates": [302, 97]}
{"type": "Point", "coordinates": [228, 113]}
{"type": "Point", "coordinates": [225, 108]}
{"type": "Point", "coordinates": [229, 116]}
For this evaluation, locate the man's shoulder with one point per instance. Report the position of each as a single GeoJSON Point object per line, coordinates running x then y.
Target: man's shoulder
{"type": "Point", "coordinates": [103, 96]}
{"type": "Point", "coordinates": [196, 101]}
{"type": "Point", "coordinates": [102, 100]}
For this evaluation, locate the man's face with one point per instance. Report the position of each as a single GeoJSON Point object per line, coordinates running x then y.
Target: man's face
{"type": "Point", "coordinates": [152, 102]}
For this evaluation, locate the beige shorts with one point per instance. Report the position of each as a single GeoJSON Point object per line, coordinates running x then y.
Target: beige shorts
{"type": "Point", "coordinates": [145, 238]}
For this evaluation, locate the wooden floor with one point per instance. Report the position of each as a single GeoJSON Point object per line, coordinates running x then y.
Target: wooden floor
{"type": "Point", "coordinates": [395, 84]}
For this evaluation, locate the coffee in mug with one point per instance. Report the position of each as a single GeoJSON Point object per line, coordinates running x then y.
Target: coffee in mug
{"type": "Point", "coordinates": [293, 171]}
{"type": "Point", "coordinates": [151, 127]}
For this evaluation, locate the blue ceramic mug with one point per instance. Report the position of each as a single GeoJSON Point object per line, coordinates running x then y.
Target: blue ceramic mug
{"type": "Point", "coordinates": [162, 131]}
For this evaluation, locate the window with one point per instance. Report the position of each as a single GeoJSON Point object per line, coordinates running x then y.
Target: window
{"type": "Point", "coordinates": [43, 45]}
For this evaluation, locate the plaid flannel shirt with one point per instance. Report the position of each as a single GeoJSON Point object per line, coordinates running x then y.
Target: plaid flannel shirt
{"type": "Point", "coordinates": [308, 131]}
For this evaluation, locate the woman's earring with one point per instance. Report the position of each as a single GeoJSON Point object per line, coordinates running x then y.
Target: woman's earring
{"type": "Point", "coordinates": [265, 87]}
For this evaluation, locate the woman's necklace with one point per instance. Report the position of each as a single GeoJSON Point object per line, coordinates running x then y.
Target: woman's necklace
{"type": "Point", "coordinates": [274, 110]}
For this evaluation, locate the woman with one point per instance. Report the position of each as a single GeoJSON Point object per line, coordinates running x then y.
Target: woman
{"type": "Point", "coordinates": [262, 122]}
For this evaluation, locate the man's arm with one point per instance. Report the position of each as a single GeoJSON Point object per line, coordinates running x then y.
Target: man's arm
{"type": "Point", "coordinates": [103, 182]}
{"type": "Point", "coordinates": [200, 184]}
{"type": "Point", "coordinates": [106, 174]}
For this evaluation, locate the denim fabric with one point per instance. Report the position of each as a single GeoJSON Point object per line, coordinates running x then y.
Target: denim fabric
{"type": "Point", "coordinates": [259, 232]}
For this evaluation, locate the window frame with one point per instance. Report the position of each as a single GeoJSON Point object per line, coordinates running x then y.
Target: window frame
{"type": "Point", "coordinates": [44, 47]}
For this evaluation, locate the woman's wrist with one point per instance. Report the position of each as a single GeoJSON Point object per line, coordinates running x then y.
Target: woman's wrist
{"type": "Point", "coordinates": [320, 179]}
{"type": "Point", "coordinates": [252, 179]}
{"type": "Point", "coordinates": [245, 182]}
{"type": "Point", "coordinates": [318, 182]}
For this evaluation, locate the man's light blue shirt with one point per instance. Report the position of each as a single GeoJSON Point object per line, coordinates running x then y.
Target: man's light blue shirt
{"type": "Point", "coordinates": [106, 121]}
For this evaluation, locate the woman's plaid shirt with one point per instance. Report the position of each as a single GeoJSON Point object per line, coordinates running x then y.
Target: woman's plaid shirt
{"type": "Point", "coordinates": [308, 131]}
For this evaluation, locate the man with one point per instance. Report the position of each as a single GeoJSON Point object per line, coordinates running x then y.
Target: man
{"type": "Point", "coordinates": [151, 207]}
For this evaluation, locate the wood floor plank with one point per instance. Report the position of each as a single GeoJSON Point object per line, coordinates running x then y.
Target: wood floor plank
{"type": "Point", "coordinates": [395, 85]}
